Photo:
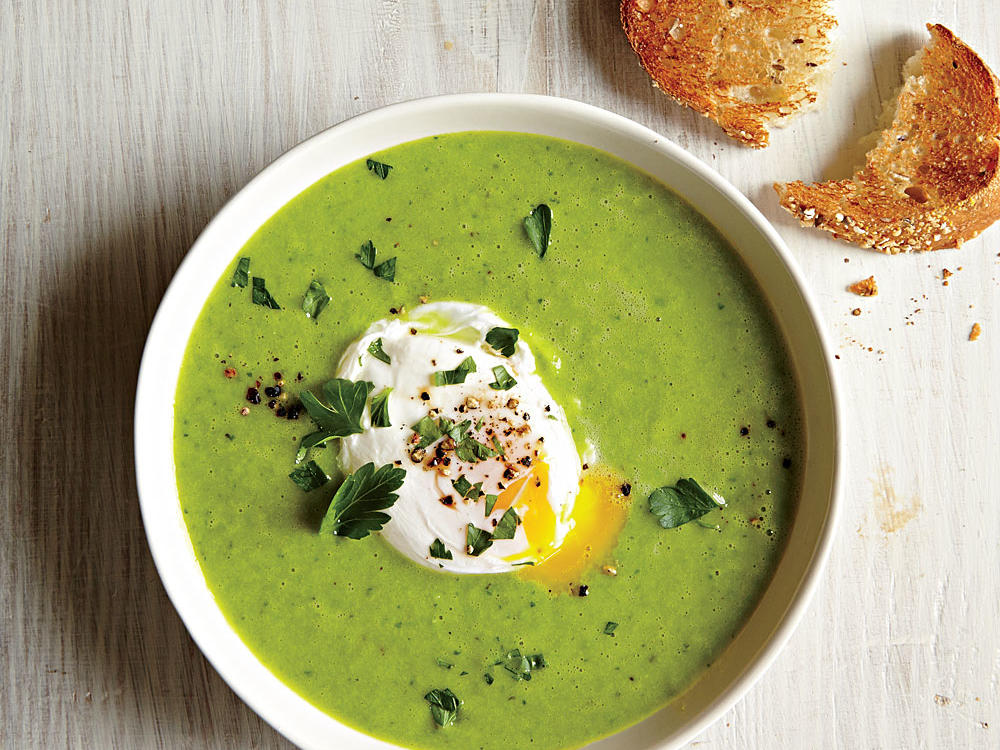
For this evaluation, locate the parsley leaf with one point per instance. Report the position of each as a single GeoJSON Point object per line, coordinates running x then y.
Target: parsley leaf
{"type": "Point", "coordinates": [538, 225]}
{"type": "Point", "coordinates": [504, 380]}
{"type": "Point", "coordinates": [497, 447]}
{"type": "Point", "coordinates": [456, 376]}
{"type": "Point", "coordinates": [353, 512]}
{"type": "Point", "coordinates": [260, 296]}
{"type": "Point", "coordinates": [386, 270]}
{"type": "Point", "coordinates": [466, 489]}
{"type": "Point", "coordinates": [491, 500]}
{"type": "Point", "coordinates": [367, 255]}
{"type": "Point", "coordinates": [520, 666]}
{"type": "Point", "coordinates": [347, 403]}
{"type": "Point", "coordinates": [241, 276]}
{"type": "Point", "coordinates": [439, 551]}
{"type": "Point", "coordinates": [376, 350]}
{"type": "Point", "coordinates": [477, 541]}
{"type": "Point", "coordinates": [507, 526]}
{"type": "Point", "coordinates": [444, 706]}
{"type": "Point", "coordinates": [685, 501]}
{"type": "Point", "coordinates": [470, 450]}
{"type": "Point", "coordinates": [379, 409]}
{"type": "Point", "coordinates": [429, 430]}
{"type": "Point", "coordinates": [609, 627]}
{"type": "Point", "coordinates": [382, 170]}
{"type": "Point", "coordinates": [310, 441]}
{"type": "Point", "coordinates": [502, 339]}
{"type": "Point", "coordinates": [315, 300]}
{"type": "Point", "coordinates": [309, 477]}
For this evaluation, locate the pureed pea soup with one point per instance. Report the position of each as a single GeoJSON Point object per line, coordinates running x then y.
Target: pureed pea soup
{"type": "Point", "coordinates": [645, 328]}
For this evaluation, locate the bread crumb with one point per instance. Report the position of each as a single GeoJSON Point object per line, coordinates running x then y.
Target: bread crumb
{"type": "Point", "coordinates": [856, 311]}
{"type": "Point", "coordinates": [865, 287]}
{"type": "Point", "coordinates": [976, 330]}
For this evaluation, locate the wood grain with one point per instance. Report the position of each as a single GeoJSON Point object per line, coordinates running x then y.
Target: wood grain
{"type": "Point", "coordinates": [130, 124]}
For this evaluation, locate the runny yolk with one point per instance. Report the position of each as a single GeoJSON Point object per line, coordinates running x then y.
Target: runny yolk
{"type": "Point", "coordinates": [599, 514]}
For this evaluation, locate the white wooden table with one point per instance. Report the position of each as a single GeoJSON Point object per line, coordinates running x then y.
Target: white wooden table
{"type": "Point", "coordinates": [127, 125]}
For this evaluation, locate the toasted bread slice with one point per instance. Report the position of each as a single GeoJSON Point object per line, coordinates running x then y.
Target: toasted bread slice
{"type": "Point", "coordinates": [746, 64]}
{"type": "Point", "coordinates": [932, 181]}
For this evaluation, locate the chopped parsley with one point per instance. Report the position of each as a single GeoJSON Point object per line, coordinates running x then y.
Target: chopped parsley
{"type": "Point", "coordinates": [241, 276]}
{"type": "Point", "coordinates": [503, 379]}
{"type": "Point", "coordinates": [477, 540]}
{"type": "Point", "coordinates": [507, 526]}
{"type": "Point", "coordinates": [502, 339]}
{"type": "Point", "coordinates": [488, 678]}
{"type": "Point", "coordinates": [429, 429]}
{"type": "Point", "coordinates": [609, 627]}
{"type": "Point", "coordinates": [520, 666]}
{"type": "Point", "coordinates": [456, 376]}
{"type": "Point", "coordinates": [382, 170]}
{"type": "Point", "coordinates": [315, 300]}
{"type": "Point", "coordinates": [491, 500]}
{"type": "Point", "coordinates": [260, 296]}
{"type": "Point", "coordinates": [309, 477]}
{"type": "Point", "coordinates": [470, 450]}
{"type": "Point", "coordinates": [538, 226]}
{"type": "Point", "coordinates": [683, 502]}
{"type": "Point", "coordinates": [466, 489]}
{"type": "Point", "coordinates": [376, 350]}
{"type": "Point", "coordinates": [354, 510]}
{"type": "Point", "coordinates": [386, 270]}
{"type": "Point", "coordinates": [443, 664]}
{"type": "Point", "coordinates": [439, 551]}
{"type": "Point", "coordinates": [444, 706]}
{"type": "Point", "coordinates": [497, 447]}
{"type": "Point", "coordinates": [367, 255]}
{"type": "Point", "coordinates": [378, 408]}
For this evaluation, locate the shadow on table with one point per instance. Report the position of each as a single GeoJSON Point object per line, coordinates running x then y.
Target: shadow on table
{"type": "Point", "coordinates": [99, 619]}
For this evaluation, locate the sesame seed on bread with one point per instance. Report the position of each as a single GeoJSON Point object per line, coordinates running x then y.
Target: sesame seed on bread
{"type": "Point", "coordinates": [747, 64]}
{"type": "Point", "coordinates": [932, 181]}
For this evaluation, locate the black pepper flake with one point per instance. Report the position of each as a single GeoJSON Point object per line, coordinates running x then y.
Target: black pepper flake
{"type": "Point", "coordinates": [586, 466]}
{"type": "Point", "coordinates": [272, 403]}
{"type": "Point", "coordinates": [281, 411]}
{"type": "Point", "coordinates": [413, 331]}
{"type": "Point", "coordinates": [272, 391]}
{"type": "Point", "coordinates": [786, 463]}
{"type": "Point", "coordinates": [584, 590]}
{"type": "Point", "coordinates": [425, 396]}
{"type": "Point", "coordinates": [277, 376]}
{"type": "Point", "coordinates": [253, 395]}
{"type": "Point", "coordinates": [294, 410]}
{"type": "Point", "coordinates": [447, 500]}
{"type": "Point", "coordinates": [771, 424]}
{"type": "Point", "coordinates": [300, 377]}
{"type": "Point", "coordinates": [626, 489]}
{"type": "Point", "coordinates": [744, 431]}
{"type": "Point", "coordinates": [393, 311]}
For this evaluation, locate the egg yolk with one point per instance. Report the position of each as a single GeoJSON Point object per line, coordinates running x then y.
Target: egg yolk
{"type": "Point", "coordinates": [599, 514]}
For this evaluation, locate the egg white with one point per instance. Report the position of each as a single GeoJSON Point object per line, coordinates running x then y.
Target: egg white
{"type": "Point", "coordinates": [436, 337]}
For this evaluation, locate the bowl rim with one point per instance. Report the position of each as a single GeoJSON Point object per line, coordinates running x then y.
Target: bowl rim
{"type": "Point", "coordinates": [245, 674]}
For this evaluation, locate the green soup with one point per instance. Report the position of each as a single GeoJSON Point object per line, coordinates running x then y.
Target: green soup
{"type": "Point", "coordinates": [671, 366]}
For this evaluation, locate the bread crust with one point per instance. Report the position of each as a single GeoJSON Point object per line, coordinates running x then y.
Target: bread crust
{"type": "Point", "coordinates": [932, 181]}
{"type": "Point", "coordinates": [743, 63]}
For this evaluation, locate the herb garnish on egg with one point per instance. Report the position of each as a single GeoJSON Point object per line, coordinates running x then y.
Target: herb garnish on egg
{"type": "Point", "coordinates": [477, 540]}
{"type": "Point", "coordinates": [456, 376]}
{"type": "Point", "coordinates": [507, 525]}
{"type": "Point", "coordinates": [376, 350]}
{"type": "Point", "coordinates": [379, 409]}
{"type": "Point", "coordinates": [503, 380]}
{"type": "Point", "coordinates": [439, 551]}
{"type": "Point", "coordinates": [502, 339]}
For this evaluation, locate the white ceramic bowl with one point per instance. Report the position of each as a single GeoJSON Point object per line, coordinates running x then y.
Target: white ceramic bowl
{"type": "Point", "coordinates": [763, 251]}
